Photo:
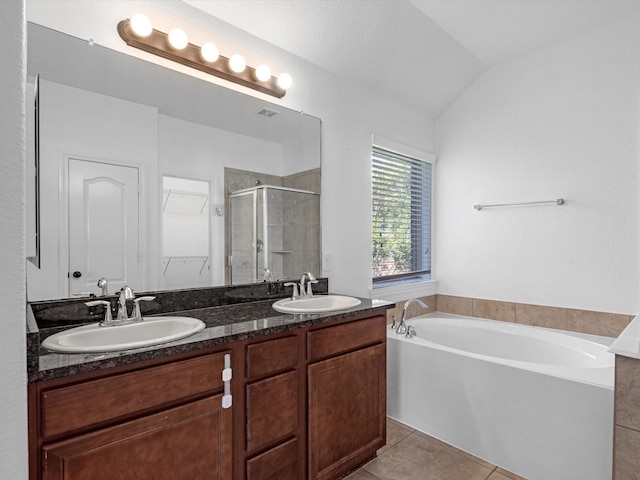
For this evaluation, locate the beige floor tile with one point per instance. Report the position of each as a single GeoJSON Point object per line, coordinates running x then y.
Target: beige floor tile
{"type": "Point", "coordinates": [361, 474]}
{"type": "Point", "coordinates": [497, 476]}
{"type": "Point", "coordinates": [396, 431]}
{"type": "Point", "coordinates": [418, 457]}
{"type": "Point", "coordinates": [505, 474]}
{"type": "Point", "coordinates": [457, 451]}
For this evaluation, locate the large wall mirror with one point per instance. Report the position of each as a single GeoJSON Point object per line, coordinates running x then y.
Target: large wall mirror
{"type": "Point", "coordinates": [160, 180]}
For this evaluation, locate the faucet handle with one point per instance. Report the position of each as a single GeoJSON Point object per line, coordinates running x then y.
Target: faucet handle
{"type": "Point", "coordinates": [309, 291]}
{"type": "Point", "coordinates": [107, 310]}
{"type": "Point", "coordinates": [136, 305]}
{"type": "Point", "coordinates": [295, 293]}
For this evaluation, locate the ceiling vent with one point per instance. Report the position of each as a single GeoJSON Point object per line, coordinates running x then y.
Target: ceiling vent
{"type": "Point", "coordinates": [265, 112]}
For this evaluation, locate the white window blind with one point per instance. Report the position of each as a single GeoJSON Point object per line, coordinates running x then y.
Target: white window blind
{"type": "Point", "coordinates": [401, 216]}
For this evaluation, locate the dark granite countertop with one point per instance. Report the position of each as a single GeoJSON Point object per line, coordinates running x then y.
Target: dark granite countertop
{"type": "Point", "coordinates": [224, 324]}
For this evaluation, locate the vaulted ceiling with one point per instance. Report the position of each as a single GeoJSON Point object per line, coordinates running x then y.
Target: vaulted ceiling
{"type": "Point", "coordinates": [421, 53]}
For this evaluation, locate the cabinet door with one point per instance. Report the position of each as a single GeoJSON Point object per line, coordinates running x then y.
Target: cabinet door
{"type": "Point", "coordinates": [279, 463]}
{"type": "Point", "coordinates": [272, 410]}
{"type": "Point", "coordinates": [347, 411]}
{"type": "Point", "coordinates": [190, 441]}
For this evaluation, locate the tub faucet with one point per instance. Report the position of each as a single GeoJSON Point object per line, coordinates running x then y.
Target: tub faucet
{"type": "Point", "coordinates": [402, 326]}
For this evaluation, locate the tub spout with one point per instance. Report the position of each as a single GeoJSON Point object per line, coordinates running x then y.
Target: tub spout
{"type": "Point", "coordinates": [402, 326]}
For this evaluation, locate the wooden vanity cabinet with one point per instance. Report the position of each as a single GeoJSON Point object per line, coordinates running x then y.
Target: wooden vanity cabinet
{"type": "Point", "coordinates": [346, 396]}
{"type": "Point", "coordinates": [315, 402]}
{"type": "Point", "coordinates": [309, 403]}
{"type": "Point", "coordinates": [160, 422]}
{"type": "Point", "coordinates": [274, 410]}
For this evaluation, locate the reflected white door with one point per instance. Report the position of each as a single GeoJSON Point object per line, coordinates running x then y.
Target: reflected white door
{"type": "Point", "coordinates": [103, 226]}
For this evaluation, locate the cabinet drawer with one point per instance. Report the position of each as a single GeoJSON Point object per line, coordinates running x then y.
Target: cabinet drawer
{"type": "Point", "coordinates": [272, 356]}
{"type": "Point", "coordinates": [189, 441]}
{"type": "Point", "coordinates": [346, 337]}
{"type": "Point", "coordinates": [272, 410]}
{"type": "Point", "coordinates": [93, 402]}
{"type": "Point", "coordinates": [279, 463]}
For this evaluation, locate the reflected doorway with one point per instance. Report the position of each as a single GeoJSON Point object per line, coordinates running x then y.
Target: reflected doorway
{"type": "Point", "coordinates": [103, 213]}
{"type": "Point", "coordinates": [186, 233]}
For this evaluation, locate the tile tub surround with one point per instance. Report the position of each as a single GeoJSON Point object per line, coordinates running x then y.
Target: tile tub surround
{"type": "Point", "coordinates": [573, 320]}
{"type": "Point", "coordinates": [224, 324]}
{"type": "Point", "coordinates": [626, 463]}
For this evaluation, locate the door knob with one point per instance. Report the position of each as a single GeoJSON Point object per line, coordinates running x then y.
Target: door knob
{"type": "Point", "coordinates": [77, 274]}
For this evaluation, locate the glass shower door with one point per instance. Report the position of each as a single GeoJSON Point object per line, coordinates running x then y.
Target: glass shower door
{"type": "Point", "coordinates": [243, 245]}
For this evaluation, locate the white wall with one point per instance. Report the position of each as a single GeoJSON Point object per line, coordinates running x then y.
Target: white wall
{"type": "Point", "coordinates": [92, 127]}
{"type": "Point", "coordinates": [349, 113]}
{"type": "Point", "coordinates": [13, 400]}
{"type": "Point", "coordinates": [562, 122]}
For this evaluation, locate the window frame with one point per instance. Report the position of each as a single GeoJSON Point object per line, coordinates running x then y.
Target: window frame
{"type": "Point", "coordinates": [418, 276]}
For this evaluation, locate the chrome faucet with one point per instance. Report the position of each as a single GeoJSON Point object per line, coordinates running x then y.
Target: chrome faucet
{"type": "Point", "coordinates": [267, 275]}
{"type": "Point", "coordinates": [103, 283]}
{"type": "Point", "coordinates": [122, 319]}
{"type": "Point", "coordinates": [126, 293]}
{"type": "Point", "coordinates": [136, 316]}
{"type": "Point", "coordinates": [402, 326]}
{"type": "Point", "coordinates": [305, 285]}
{"type": "Point", "coordinates": [302, 289]}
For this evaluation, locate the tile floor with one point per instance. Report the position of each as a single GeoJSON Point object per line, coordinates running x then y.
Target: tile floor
{"type": "Point", "coordinates": [413, 455]}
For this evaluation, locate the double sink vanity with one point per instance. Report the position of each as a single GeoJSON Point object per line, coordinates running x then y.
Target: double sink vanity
{"type": "Point", "coordinates": [256, 393]}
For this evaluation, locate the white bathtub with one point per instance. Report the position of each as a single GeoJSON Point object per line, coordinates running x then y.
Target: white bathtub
{"type": "Point", "coordinates": [535, 401]}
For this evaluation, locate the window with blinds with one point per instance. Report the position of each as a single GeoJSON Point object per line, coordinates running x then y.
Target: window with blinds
{"type": "Point", "coordinates": [401, 216]}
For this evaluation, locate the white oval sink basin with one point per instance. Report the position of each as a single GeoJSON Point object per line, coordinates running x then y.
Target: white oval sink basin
{"type": "Point", "coordinates": [319, 304]}
{"type": "Point", "coordinates": [151, 331]}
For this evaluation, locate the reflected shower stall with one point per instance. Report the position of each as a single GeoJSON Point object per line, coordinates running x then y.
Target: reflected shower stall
{"type": "Point", "coordinates": [274, 234]}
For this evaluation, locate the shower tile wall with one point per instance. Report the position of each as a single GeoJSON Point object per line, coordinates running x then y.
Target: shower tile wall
{"type": "Point", "coordinates": [293, 226]}
{"type": "Point", "coordinates": [302, 237]}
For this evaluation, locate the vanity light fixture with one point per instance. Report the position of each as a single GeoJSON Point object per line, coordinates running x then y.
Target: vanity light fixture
{"type": "Point", "coordinates": [237, 63]}
{"type": "Point", "coordinates": [138, 32]}
{"type": "Point", "coordinates": [178, 39]}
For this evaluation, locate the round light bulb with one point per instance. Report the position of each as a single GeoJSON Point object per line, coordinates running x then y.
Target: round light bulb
{"type": "Point", "coordinates": [263, 73]}
{"type": "Point", "coordinates": [209, 52]}
{"type": "Point", "coordinates": [178, 39]}
{"type": "Point", "coordinates": [284, 81]}
{"type": "Point", "coordinates": [237, 63]}
{"type": "Point", "coordinates": [141, 25]}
